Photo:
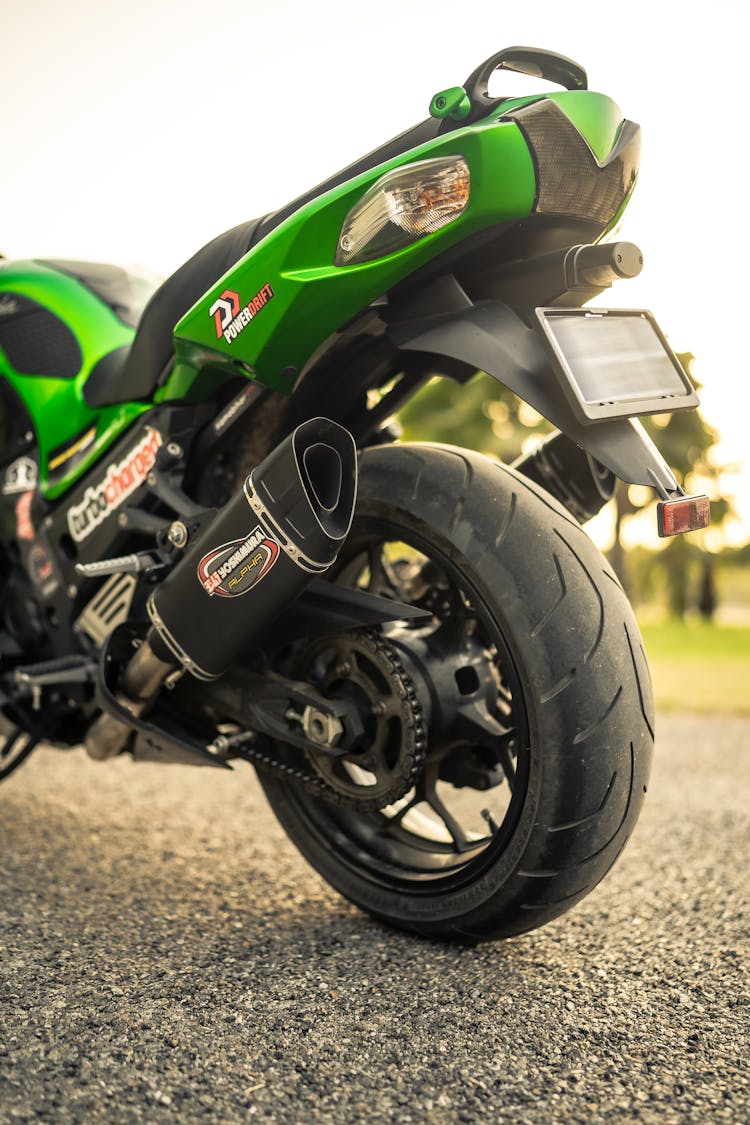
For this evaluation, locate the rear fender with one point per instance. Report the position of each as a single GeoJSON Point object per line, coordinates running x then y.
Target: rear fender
{"type": "Point", "coordinates": [491, 337]}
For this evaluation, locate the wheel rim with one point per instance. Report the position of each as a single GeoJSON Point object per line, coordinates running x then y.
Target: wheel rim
{"type": "Point", "coordinates": [441, 835]}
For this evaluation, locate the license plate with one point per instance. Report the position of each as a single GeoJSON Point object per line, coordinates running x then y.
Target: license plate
{"type": "Point", "coordinates": [614, 363]}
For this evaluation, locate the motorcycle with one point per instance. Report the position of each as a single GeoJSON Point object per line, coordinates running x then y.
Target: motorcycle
{"type": "Point", "coordinates": [215, 548]}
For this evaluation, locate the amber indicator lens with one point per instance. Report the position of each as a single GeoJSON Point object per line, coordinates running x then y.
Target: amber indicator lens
{"type": "Point", "coordinates": [689, 513]}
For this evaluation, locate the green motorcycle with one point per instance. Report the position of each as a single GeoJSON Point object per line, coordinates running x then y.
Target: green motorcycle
{"type": "Point", "coordinates": [215, 548]}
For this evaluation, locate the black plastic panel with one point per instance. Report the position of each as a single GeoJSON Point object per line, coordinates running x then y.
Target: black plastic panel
{"type": "Point", "coordinates": [36, 342]}
{"type": "Point", "coordinates": [106, 386]}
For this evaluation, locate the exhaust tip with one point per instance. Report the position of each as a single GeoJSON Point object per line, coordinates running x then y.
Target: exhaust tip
{"type": "Point", "coordinates": [309, 485]}
{"type": "Point", "coordinates": [327, 461]}
{"type": "Point", "coordinates": [322, 465]}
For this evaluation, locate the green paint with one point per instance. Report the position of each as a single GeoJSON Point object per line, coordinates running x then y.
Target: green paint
{"type": "Point", "coordinates": [453, 103]}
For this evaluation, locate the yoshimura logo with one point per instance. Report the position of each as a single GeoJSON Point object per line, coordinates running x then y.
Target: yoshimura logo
{"type": "Point", "coordinates": [119, 482]}
{"type": "Point", "coordinates": [231, 317]}
{"type": "Point", "coordinates": [234, 568]}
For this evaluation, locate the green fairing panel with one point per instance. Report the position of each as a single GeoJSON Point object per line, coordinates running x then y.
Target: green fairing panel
{"type": "Point", "coordinates": [312, 298]}
{"type": "Point", "coordinates": [302, 298]}
{"type": "Point", "coordinates": [57, 408]}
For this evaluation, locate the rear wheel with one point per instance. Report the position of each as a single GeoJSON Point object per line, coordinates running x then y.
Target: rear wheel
{"type": "Point", "coordinates": [529, 674]}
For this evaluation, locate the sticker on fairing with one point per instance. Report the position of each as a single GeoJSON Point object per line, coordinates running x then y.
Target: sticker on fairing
{"type": "Point", "coordinates": [119, 482]}
{"type": "Point", "coordinates": [66, 457]}
{"type": "Point", "coordinates": [24, 524]}
{"type": "Point", "coordinates": [20, 476]}
{"type": "Point", "coordinates": [234, 568]}
{"type": "Point", "coordinates": [39, 566]}
{"type": "Point", "coordinates": [231, 316]}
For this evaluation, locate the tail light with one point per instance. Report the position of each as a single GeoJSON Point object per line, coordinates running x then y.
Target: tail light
{"type": "Point", "coordinates": [570, 179]}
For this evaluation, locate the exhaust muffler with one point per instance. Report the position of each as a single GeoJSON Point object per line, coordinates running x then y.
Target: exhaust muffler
{"type": "Point", "coordinates": [282, 530]}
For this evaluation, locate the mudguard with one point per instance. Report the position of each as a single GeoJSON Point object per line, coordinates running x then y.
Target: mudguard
{"type": "Point", "coordinates": [492, 338]}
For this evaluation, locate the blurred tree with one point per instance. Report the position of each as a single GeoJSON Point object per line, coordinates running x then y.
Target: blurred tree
{"type": "Point", "coordinates": [481, 414]}
{"type": "Point", "coordinates": [708, 599]}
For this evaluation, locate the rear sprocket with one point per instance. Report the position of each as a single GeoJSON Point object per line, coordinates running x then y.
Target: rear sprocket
{"type": "Point", "coordinates": [363, 668]}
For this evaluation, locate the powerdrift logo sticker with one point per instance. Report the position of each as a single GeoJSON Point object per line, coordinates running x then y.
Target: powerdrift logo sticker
{"type": "Point", "coordinates": [232, 317]}
{"type": "Point", "coordinates": [234, 568]}
{"type": "Point", "coordinates": [120, 481]}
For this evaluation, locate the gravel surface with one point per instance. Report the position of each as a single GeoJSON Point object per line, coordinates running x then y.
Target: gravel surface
{"type": "Point", "coordinates": [165, 955]}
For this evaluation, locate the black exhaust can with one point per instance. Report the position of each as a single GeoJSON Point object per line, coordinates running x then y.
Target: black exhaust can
{"type": "Point", "coordinates": [282, 530]}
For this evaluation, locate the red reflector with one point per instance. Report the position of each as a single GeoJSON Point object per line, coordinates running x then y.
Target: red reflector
{"type": "Point", "coordinates": [686, 514]}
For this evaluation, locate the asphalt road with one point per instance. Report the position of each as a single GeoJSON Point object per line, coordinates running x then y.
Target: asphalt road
{"type": "Point", "coordinates": [166, 956]}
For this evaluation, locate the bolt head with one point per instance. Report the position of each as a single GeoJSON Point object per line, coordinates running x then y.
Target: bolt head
{"type": "Point", "coordinates": [178, 534]}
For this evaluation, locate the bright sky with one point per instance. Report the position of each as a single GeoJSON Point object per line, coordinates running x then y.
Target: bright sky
{"type": "Point", "coordinates": [134, 133]}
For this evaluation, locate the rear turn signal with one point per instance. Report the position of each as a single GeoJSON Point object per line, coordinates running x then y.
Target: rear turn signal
{"type": "Point", "coordinates": [689, 513]}
{"type": "Point", "coordinates": [402, 207]}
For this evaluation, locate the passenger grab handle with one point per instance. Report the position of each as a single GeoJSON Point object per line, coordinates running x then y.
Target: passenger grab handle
{"type": "Point", "coordinates": [525, 60]}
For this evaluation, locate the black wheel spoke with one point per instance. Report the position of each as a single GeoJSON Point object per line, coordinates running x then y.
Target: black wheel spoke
{"type": "Point", "coordinates": [455, 629]}
{"type": "Point", "coordinates": [381, 576]}
{"type": "Point", "coordinates": [456, 832]}
{"type": "Point", "coordinates": [474, 724]}
{"type": "Point", "coordinates": [477, 727]}
{"type": "Point", "coordinates": [430, 796]}
{"type": "Point", "coordinates": [395, 820]}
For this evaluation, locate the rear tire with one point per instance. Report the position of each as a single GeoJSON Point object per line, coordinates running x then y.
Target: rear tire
{"type": "Point", "coordinates": [568, 646]}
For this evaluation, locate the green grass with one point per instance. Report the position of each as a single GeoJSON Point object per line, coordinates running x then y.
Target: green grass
{"type": "Point", "coordinates": [704, 669]}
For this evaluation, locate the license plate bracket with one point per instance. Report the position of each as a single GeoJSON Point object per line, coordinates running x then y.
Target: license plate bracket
{"type": "Point", "coordinates": [614, 363]}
